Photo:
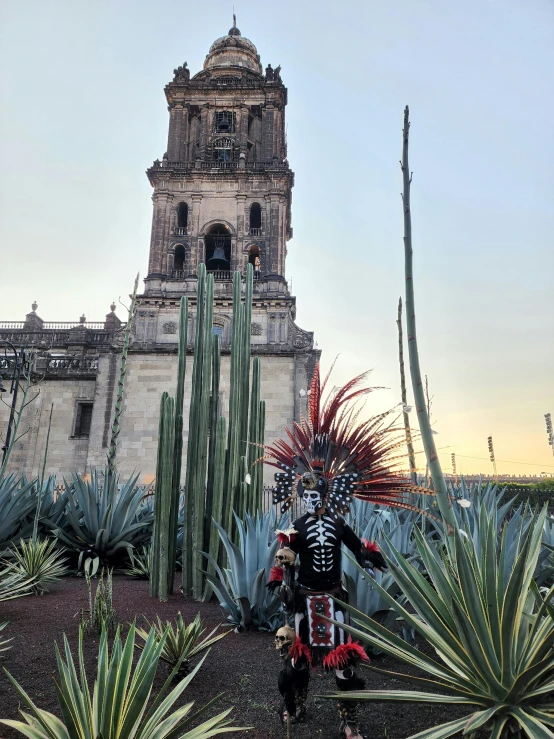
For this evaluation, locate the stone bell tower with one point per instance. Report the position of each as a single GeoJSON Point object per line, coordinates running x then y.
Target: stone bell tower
{"type": "Point", "coordinates": [222, 192]}
{"type": "Point", "coordinates": [222, 196]}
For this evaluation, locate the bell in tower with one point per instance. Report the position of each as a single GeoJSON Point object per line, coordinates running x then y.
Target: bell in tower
{"type": "Point", "coordinates": [218, 249]}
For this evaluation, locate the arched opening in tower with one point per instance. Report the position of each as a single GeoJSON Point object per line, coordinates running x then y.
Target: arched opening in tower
{"type": "Point", "coordinates": [254, 259]}
{"type": "Point", "coordinates": [255, 218]}
{"type": "Point", "coordinates": [218, 248]}
{"type": "Point", "coordinates": [183, 216]}
{"type": "Point", "coordinates": [179, 258]}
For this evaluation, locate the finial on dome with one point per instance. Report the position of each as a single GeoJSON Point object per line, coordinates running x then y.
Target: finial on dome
{"type": "Point", "coordinates": [34, 306]}
{"type": "Point", "coordinates": [234, 31]}
{"type": "Point", "coordinates": [113, 307]}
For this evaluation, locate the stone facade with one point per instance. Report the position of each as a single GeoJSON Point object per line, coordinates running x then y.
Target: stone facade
{"type": "Point", "coordinates": [222, 196]}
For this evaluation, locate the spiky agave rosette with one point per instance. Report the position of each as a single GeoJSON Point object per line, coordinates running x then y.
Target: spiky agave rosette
{"type": "Point", "coordinates": [358, 459]}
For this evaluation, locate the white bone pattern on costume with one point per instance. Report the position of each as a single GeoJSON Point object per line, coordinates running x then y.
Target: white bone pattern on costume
{"type": "Point", "coordinates": [322, 530]}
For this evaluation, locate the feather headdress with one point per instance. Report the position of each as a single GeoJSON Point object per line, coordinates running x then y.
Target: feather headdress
{"type": "Point", "coordinates": [355, 458]}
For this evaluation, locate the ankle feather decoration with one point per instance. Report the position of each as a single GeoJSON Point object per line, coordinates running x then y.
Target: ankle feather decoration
{"type": "Point", "coordinates": [345, 655]}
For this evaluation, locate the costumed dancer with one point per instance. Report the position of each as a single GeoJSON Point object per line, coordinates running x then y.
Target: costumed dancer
{"type": "Point", "coordinates": [330, 459]}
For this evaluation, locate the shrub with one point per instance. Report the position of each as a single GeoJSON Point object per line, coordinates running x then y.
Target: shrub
{"type": "Point", "coordinates": [117, 708]}
{"type": "Point", "coordinates": [101, 521]}
{"type": "Point", "coordinates": [182, 643]}
{"type": "Point", "coordinates": [240, 588]}
{"type": "Point", "coordinates": [490, 627]}
{"type": "Point", "coordinates": [17, 503]}
{"type": "Point", "coordinates": [101, 613]}
{"type": "Point", "coordinates": [40, 562]}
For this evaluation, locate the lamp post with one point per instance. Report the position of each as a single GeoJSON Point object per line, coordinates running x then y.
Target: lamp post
{"type": "Point", "coordinates": [20, 363]}
{"type": "Point", "coordinates": [492, 458]}
{"type": "Point", "coordinates": [548, 419]}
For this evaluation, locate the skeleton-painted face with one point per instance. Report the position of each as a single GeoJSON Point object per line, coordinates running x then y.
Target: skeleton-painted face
{"type": "Point", "coordinates": [312, 488]}
{"type": "Point", "coordinates": [284, 637]}
{"type": "Point", "coordinates": [312, 500]}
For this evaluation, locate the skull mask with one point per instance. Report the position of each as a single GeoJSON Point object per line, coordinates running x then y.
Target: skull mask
{"type": "Point", "coordinates": [284, 637]}
{"type": "Point", "coordinates": [312, 487]}
{"type": "Point", "coordinates": [312, 501]}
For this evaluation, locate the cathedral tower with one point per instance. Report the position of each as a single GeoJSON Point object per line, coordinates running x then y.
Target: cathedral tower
{"type": "Point", "coordinates": [222, 192]}
{"type": "Point", "coordinates": [222, 196]}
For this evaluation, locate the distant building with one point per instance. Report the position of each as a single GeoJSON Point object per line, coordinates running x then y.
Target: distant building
{"type": "Point", "coordinates": [221, 195]}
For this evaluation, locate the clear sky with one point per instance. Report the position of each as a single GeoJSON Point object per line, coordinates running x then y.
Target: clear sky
{"type": "Point", "coordinates": [83, 114]}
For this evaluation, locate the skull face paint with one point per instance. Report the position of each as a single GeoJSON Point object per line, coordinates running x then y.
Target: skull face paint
{"type": "Point", "coordinates": [312, 488]}
{"type": "Point", "coordinates": [312, 501]}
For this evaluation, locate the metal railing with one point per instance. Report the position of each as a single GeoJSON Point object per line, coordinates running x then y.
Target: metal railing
{"type": "Point", "coordinates": [221, 275]}
{"type": "Point", "coordinates": [248, 166]}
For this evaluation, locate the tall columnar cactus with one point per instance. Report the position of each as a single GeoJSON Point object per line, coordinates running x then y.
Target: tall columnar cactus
{"type": "Point", "coordinates": [162, 568]}
{"type": "Point", "coordinates": [255, 443]}
{"type": "Point", "coordinates": [213, 425]}
{"type": "Point", "coordinates": [202, 430]}
{"type": "Point", "coordinates": [260, 472]}
{"type": "Point", "coordinates": [121, 382]}
{"type": "Point", "coordinates": [193, 440]}
{"type": "Point", "coordinates": [178, 440]}
{"type": "Point", "coordinates": [217, 452]}
{"type": "Point", "coordinates": [217, 495]}
{"type": "Point", "coordinates": [439, 482]}
{"type": "Point", "coordinates": [235, 416]}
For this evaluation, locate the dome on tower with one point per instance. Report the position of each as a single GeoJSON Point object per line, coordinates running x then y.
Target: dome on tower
{"type": "Point", "coordinates": [233, 50]}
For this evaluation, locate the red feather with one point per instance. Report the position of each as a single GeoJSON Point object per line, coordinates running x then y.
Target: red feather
{"type": "Point", "coordinates": [300, 651]}
{"type": "Point", "coordinates": [371, 546]}
{"type": "Point", "coordinates": [345, 655]}
{"type": "Point", "coordinates": [333, 438]}
{"type": "Point", "coordinates": [276, 574]}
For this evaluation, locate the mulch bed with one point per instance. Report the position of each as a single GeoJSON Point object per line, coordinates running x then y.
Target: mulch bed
{"type": "Point", "coordinates": [244, 666]}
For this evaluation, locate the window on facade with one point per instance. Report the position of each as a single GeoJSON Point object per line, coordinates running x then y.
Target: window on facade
{"type": "Point", "coordinates": [223, 150]}
{"type": "Point", "coordinates": [183, 216]}
{"type": "Point", "coordinates": [218, 331]}
{"type": "Point", "coordinates": [255, 217]}
{"type": "Point", "coordinates": [179, 258]}
{"type": "Point", "coordinates": [225, 121]}
{"type": "Point", "coordinates": [83, 419]}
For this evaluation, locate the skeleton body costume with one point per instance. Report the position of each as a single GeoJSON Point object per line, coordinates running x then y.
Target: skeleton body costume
{"type": "Point", "coordinates": [330, 460]}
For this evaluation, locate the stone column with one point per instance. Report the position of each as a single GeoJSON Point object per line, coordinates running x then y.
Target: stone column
{"type": "Point", "coordinates": [205, 123]}
{"type": "Point", "coordinates": [183, 140]}
{"type": "Point", "coordinates": [160, 231]}
{"type": "Point", "coordinates": [268, 117]}
{"type": "Point", "coordinates": [196, 242]}
{"type": "Point", "coordinates": [242, 129]}
{"type": "Point", "coordinates": [175, 133]}
{"type": "Point", "coordinates": [274, 234]}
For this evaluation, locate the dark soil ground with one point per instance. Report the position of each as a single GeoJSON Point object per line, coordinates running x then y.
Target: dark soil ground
{"type": "Point", "coordinates": [244, 666]}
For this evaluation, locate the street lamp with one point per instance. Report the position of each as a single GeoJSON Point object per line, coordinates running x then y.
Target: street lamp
{"type": "Point", "coordinates": [548, 419]}
{"type": "Point", "coordinates": [20, 363]}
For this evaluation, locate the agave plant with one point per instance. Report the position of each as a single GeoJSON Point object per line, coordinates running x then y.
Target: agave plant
{"type": "Point", "coordinates": [241, 587]}
{"type": "Point", "coordinates": [40, 562]}
{"type": "Point", "coordinates": [364, 597]}
{"type": "Point", "coordinates": [101, 520]}
{"type": "Point", "coordinates": [141, 564]}
{"type": "Point", "coordinates": [17, 503]}
{"type": "Point", "coordinates": [490, 628]}
{"type": "Point", "coordinates": [3, 642]}
{"type": "Point", "coordinates": [120, 706]}
{"type": "Point", "coordinates": [13, 584]}
{"type": "Point", "coordinates": [182, 643]}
